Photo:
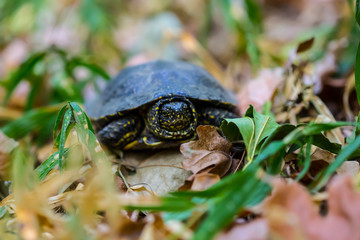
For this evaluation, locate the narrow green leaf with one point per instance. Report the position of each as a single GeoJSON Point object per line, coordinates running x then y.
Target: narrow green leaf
{"type": "Point", "coordinates": [307, 161]}
{"type": "Point", "coordinates": [168, 204]}
{"type": "Point", "coordinates": [45, 167]}
{"type": "Point", "coordinates": [316, 128]}
{"type": "Point", "coordinates": [218, 188]}
{"type": "Point", "coordinates": [2, 212]}
{"type": "Point", "coordinates": [226, 206]}
{"type": "Point", "coordinates": [63, 135]}
{"type": "Point", "coordinates": [254, 13]}
{"type": "Point", "coordinates": [92, 67]}
{"type": "Point", "coordinates": [58, 119]}
{"type": "Point", "coordinates": [357, 12]}
{"type": "Point", "coordinates": [357, 71]}
{"type": "Point", "coordinates": [24, 70]}
{"type": "Point", "coordinates": [23, 176]}
{"type": "Point", "coordinates": [35, 119]}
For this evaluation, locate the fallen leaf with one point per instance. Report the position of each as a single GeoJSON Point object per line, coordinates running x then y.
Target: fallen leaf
{"type": "Point", "coordinates": [161, 172]}
{"type": "Point", "coordinates": [343, 219]}
{"type": "Point", "coordinates": [209, 154]}
{"type": "Point", "coordinates": [257, 230]}
{"type": "Point", "coordinates": [290, 213]}
{"type": "Point", "coordinates": [349, 167]}
{"type": "Point", "coordinates": [203, 181]}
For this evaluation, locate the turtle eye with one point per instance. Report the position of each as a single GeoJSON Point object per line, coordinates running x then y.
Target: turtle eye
{"type": "Point", "coordinates": [175, 116]}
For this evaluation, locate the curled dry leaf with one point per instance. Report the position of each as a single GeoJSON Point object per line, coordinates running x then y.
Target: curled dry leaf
{"type": "Point", "coordinates": [209, 154]}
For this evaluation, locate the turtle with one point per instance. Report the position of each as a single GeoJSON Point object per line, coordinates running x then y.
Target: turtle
{"type": "Point", "coordinates": [158, 104]}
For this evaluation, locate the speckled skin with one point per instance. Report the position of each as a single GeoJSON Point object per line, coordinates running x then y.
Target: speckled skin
{"type": "Point", "coordinates": [158, 104]}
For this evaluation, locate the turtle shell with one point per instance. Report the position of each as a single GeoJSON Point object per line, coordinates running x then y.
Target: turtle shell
{"type": "Point", "coordinates": [138, 85]}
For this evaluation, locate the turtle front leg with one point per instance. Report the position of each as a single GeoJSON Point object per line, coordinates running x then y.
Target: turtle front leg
{"type": "Point", "coordinates": [120, 132]}
{"type": "Point", "coordinates": [214, 116]}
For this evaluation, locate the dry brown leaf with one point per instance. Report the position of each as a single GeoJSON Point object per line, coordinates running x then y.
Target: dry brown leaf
{"type": "Point", "coordinates": [203, 181]}
{"type": "Point", "coordinates": [349, 167]}
{"type": "Point", "coordinates": [289, 211]}
{"type": "Point", "coordinates": [256, 230]}
{"type": "Point", "coordinates": [161, 173]}
{"type": "Point", "coordinates": [209, 154]}
{"type": "Point", "coordinates": [291, 214]}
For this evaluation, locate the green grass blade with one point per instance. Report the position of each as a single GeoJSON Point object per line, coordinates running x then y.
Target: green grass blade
{"type": "Point", "coordinates": [45, 167]}
{"type": "Point", "coordinates": [168, 204]}
{"type": "Point", "coordinates": [33, 120]}
{"type": "Point", "coordinates": [24, 70]}
{"type": "Point", "coordinates": [58, 119]}
{"type": "Point", "coordinates": [357, 11]}
{"type": "Point", "coordinates": [254, 13]}
{"type": "Point", "coordinates": [218, 188]}
{"type": "Point", "coordinates": [231, 203]}
{"type": "Point", "coordinates": [92, 67]}
{"type": "Point", "coordinates": [63, 135]}
{"type": "Point", "coordinates": [307, 162]}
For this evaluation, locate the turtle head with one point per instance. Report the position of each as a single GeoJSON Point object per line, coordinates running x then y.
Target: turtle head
{"type": "Point", "coordinates": [173, 118]}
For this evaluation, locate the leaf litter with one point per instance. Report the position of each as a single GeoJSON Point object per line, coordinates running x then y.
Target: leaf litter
{"type": "Point", "coordinates": [288, 169]}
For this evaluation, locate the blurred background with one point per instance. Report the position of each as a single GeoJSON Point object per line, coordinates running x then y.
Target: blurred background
{"type": "Point", "coordinates": [52, 52]}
